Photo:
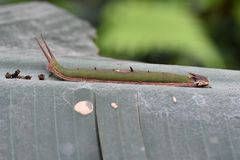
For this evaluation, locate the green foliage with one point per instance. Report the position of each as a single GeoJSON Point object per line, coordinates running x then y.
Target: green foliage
{"type": "Point", "coordinates": [70, 5]}
{"type": "Point", "coordinates": [237, 12]}
{"type": "Point", "coordinates": [205, 4]}
{"type": "Point", "coordinates": [135, 29]}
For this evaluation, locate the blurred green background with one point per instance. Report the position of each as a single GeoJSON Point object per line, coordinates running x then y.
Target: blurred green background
{"type": "Point", "coordinates": [183, 32]}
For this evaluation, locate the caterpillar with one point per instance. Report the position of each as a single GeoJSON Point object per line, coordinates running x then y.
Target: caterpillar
{"type": "Point", "coordinates": [130, 75]}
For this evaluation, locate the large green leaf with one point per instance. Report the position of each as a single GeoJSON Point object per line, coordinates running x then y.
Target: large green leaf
{"type": "Point", "coordinates": [132, 29]}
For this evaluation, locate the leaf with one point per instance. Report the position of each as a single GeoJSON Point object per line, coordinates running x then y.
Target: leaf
{"type": "Point", "coordinates": [132, 29]}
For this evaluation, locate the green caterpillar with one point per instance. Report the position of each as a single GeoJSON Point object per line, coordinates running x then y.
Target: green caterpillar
{"type": "Point", "coordinates": [121, 76]}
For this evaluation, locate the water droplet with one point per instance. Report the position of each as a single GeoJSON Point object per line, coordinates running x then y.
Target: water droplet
{"type": "Point", "coordinates": [114, 105]}
{"type": "Point", "coordinates": [84, 107]}
{"type": "Point", "coordinates": [174, 99]}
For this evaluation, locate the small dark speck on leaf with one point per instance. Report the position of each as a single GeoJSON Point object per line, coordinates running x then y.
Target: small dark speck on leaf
{"type": "Point", "coordinates": [15, 74]}
{"type": "Point", "coordinates": [131, 69]}
{"type": "Point", "coordinates": [28, 77]}
{"type": "Point", "coordinates": [41, 77]}
{"type": "Point", "coordinates": [8, 75]}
